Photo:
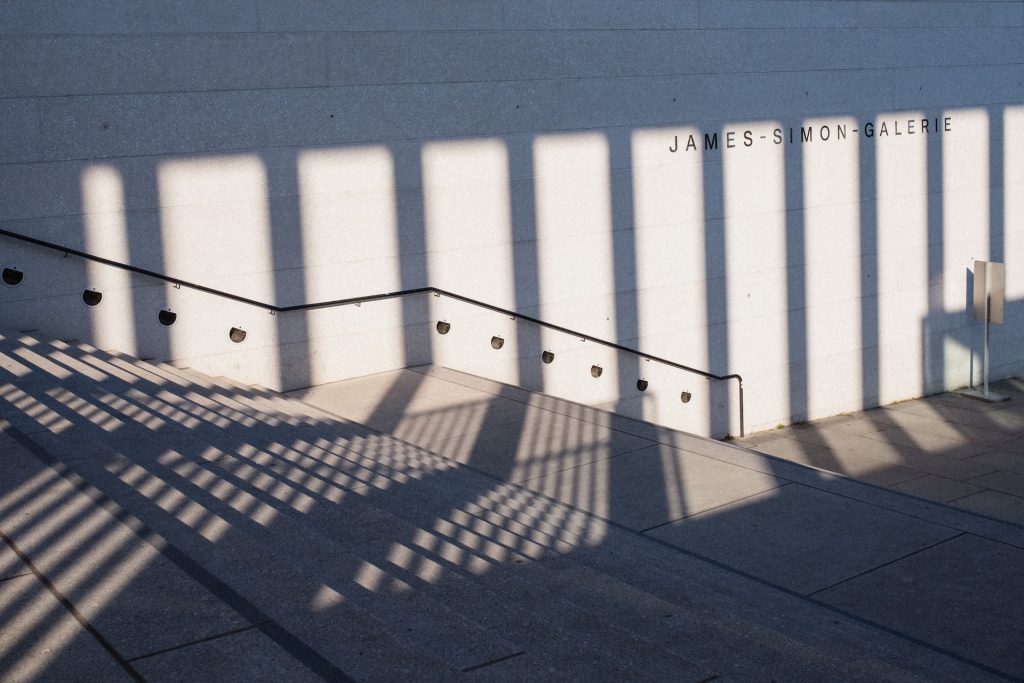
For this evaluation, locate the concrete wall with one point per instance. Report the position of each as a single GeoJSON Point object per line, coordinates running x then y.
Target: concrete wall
{"type": "Point", "coordinates": [519, 152]}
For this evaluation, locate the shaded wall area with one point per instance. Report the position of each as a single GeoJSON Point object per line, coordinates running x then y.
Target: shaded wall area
{"type": "Point", "coordinates": [522, 154]}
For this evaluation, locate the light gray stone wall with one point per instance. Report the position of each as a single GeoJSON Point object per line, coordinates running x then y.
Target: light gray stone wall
{"type": "Point", "coordinates": [518, 152]}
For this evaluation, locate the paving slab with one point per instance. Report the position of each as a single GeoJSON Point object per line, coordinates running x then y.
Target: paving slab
{"type": "Point", "coordinates": [927, 440]}
{"type": "Point", "coordinates": [1002, 481]}
{"type": "Point", "coordinates": [922, 417]}
{"type": "Point", "coordinates": [961, 594]}
{"type": "Point", "coordinates": [802, 538]}
{"type": "Point", "coordinates": [550, 442]}
{"type": "Point", "coordinates": [233, 658]}
{"type": "Point", "coordinates": [431, 420]}
{"type": "Point", "coordinates": [994, 504]}
{"type": "Point", "coordinates": [1010, 461]}
{"type": "Point", "coordinates": [862, 464]}
{"type": "Point", "coordinates": [122, 584]}
{"type": "Point", "coordinates": [40, 640]}
{"type": "Point", "coordinates": [302, 533]}
{"type": "Point", "coordinates": [10, 564]}
{"type": "Point", "coordinates": [817, 431]}
{"type": "Point", "coordinates": [653, 486]}
{"type": "Point", "coordinates": [936, 488]}
{"type": "Point", "coordinates": [985, 428]}
{"type": "Point", "coordinates": [875, 448]}
{"type": "Point", "coordinates": [372, 391]}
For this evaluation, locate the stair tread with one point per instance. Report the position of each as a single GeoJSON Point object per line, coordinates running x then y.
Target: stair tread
{"type": "Point", "coordinates": [493, 575]}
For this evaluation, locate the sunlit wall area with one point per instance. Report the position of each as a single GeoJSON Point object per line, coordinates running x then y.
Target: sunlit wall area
{"type": "Point", "coordinates": [826, 233]}
{"type": "Point", "coordinates": [1012, 165]}
{"type": "Point", "coordinates": [792, 191]}
{"type": "Point", "coordinates": [1009, 206]}
{"type": "Point", "coordinates": [106, 234]}
{"type": "Point", "coordinates": [668, 215]}
{"type": "Point", "coordinates": [467, 205]}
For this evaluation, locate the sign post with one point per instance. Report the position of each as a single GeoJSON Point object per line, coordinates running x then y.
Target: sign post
{"type": "Point", "coordinates": [989, 283]}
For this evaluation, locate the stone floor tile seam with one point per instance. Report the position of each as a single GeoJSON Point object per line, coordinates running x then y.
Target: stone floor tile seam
{"type": "Point", "coordinates": [483, 665]}
{"type": "Point", "coordinates": [728, 461]}
{"type": "Point", "coordinates": [718, 507]}
{"type": "Point", "coordinates": [69, 606]}
{"type": "Point", "coordinates": [988, 517]}
{"type": "Point", "coordinates": [918, 450]}
{"type": "Point", "coordinates": [220, 590]}
{"type": "Point", "coordinates": [989, 488]}
{"type": "Point", "coordinates": [609, 414]}
{"type": "Point", "coordinates": [523, 482]}
{"type": "Point", "coordinates": [733, 570]}
{"type": "Point", "coordinates": [197, 641]}
{"type": "Point", "coordinates": [880, 489]}
{"type": "Point", "coordinates": [641, 537]}
{"type": "Point", "coordinates": [738, 464]}
{"type": "Point", "coordinates": [748, 451]}
{"type": "Point", "coordinates": [888, 562]}
{"type": "Point", "coordinates": [824, 605]}
{"type": "Point", "coordinates": [922, 518]}
{"type": "Point", "coordinates": [1010, 436]}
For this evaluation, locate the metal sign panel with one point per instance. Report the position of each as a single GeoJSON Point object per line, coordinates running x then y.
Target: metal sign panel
{"type": "Point", "coordinates": [980, 290]}
{"type": "Point", "coordinates": [989, 283]}
{"type": "Point", "coordinates": [996, 285]}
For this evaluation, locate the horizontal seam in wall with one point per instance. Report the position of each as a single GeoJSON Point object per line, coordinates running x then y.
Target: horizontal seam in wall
{"type": "Point", "coordinates": [503, 30]}
{"type": "Point", "coordinates": [555, 79]}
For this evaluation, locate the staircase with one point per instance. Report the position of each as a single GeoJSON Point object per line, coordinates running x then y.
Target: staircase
{"type": "Point", "coordinates": [424, 525]}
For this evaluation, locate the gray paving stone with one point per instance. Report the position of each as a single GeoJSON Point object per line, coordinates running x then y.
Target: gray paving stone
{"type": "Point", "coordinates": [802, 538]}
{"type": "Point", "coordinates": [365, 394]}
{"type": "Point", "coordinates": [848, 448]}
{"type": "Point", "coordinates": [994, 504]}
{"type": "Point", "coordinates": [234, 658]}
{"type": "Point", "coordinates": [982, 427]}
{"type": "Point", "coordinates": [958, 400]}
{"type": "Point", "coordinates": [818, 430]}
{"type": "Point", "coordinates": [41, 641]}
{"type": "Point", "coordinates": [1006, 482]}
{"type": "Point", "coordinates": [652, 486]}
{"type": "Point", "coordinates": [863, 464]}
{"type": "Point", "coordinates": [936, 488]}
{"type": "Point", "coordinates": [431, 420]}
{"type": "Point", "coordinates": [547, 444]}
{"type": "Point", "coordinates": [123, 585]}
{"type": "Point", "coordinates": [926, 440]}
{"type": "Point", "coordinates": [10, 564]}
{"type": "Point", "coordinates": [749, 631]}
{"type": "Point", "coordinates": [1003, 459]}
{"type": "Point", "coordinates": [921, 417]}
{"type": "Point", "coordinates": [964, 595]}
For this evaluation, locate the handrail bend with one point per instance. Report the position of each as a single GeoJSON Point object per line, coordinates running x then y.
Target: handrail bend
{"type": "Point", "coordinates": [376, 297]}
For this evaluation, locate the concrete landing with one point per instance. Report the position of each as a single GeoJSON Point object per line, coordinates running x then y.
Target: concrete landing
{"type": "Point", "coordinates": [946, 448]}
{"type": "Point", "coordinates": [836, 541]}
{"type": "Point", "coordinates": [160, 525]}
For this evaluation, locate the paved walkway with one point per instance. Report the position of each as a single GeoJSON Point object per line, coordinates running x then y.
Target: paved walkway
{"type": "Point", "coordinates": [160, 525]}
{"type": "Point", "coordinates": [946, 448]}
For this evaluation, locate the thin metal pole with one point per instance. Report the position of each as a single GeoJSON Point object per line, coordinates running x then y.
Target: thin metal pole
{"type": "Point", "coordinates": [988, 311]}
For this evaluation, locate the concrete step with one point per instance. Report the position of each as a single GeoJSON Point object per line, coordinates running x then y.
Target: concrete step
{"type": "Point", "coordinates": [355, 522]}
{"type": "Point", "coordinates": [541, 616]}
{"type": "Point", "coordinates": [466, 592]}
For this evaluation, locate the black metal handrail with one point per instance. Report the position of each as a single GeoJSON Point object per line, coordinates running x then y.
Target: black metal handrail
{"type": "Point", "coordinates": [378, 297]}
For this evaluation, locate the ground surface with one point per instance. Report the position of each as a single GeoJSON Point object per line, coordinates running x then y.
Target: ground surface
{"type": "Point", "coordinates": [423, 524]}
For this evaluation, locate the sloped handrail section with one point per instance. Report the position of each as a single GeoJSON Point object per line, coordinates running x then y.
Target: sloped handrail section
{"type": "Point", "coordinates": [272, 308]}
